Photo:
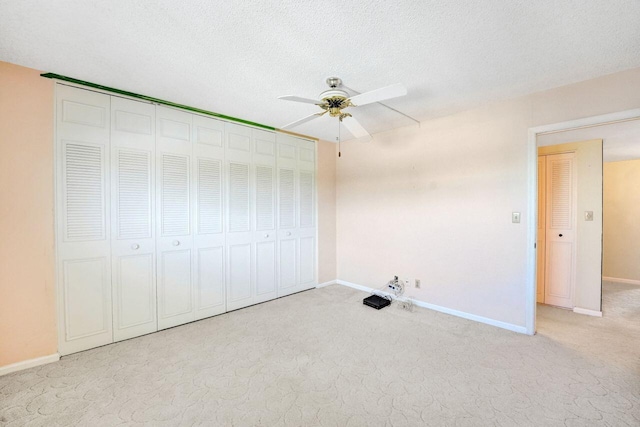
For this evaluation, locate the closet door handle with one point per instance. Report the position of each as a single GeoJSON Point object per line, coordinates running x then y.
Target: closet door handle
{"type": "Point", "coordinates": [176, 243]}
{"type": "Point", "coordinates": [288, 233]}
{"type": "Point", "coordinates": [135, 246]}
{"type": "Point", "coordinates": [266, 236]}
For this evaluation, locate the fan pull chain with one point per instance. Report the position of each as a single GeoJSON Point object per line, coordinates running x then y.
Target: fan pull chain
{"type": "Point", "coordinates": [339, 141]}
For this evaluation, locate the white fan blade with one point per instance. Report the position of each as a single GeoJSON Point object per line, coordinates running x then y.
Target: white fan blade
{"type": "Point", "coordinates": [303, 120]}
{"type": "Point", "coordinates": [300, 99]}
{"type": "Point", "coordinates": [381, 94]}
{"type": "Point", "coordinates": [356, 128]}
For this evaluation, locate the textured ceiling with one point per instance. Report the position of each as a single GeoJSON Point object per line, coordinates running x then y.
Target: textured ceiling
{"type": "Point", "coordinates": [236, 57]}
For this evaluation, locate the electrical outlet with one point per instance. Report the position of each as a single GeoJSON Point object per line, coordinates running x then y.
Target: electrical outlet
{"type": "Point", "coordinates": [418, 283]}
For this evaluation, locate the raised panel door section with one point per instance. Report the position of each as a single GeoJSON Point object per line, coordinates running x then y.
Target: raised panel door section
{"type": "Point", "coordinates": [83, 219]}
{"type": "Point", "coordinates": [133, 248]}
{"type": "Point", "coordinates": [240, 268]}
{"type": "Point", "coordinates": [174, 213]}
{"type": "Point", "coordinates": [240, 207]}
{"type": "Point", "coordinates": [175, 296]}
{"type": "Point", "coordinates": [87, 304]}
{"type": "Point", "coordinates": [210, 298]}
{"type": "Point", "coordinates": [134, 295]}
{"type": "Point", "coordinates": [209, 230]}
{"type": "Point", "coordinates": [287, 261]}
{"type": "Point", "coordinates": [307, 262]}
{"type": "Point", "coordinates": [266, 286]}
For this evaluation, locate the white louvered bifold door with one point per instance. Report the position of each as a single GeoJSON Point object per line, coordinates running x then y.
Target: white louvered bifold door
{"type": "Point", "coordinates": [175, 281]}
{"type": "Point", "coordinates": [287, 215]}
{"type": "Point", "coordinates": [264, 219]}
{"type": "Point", "coordinates": [209, 234]}
{"type": "Point", "coordinates": [133, 245]}
{"type": "Point", "coordinates": [307, 214]}
{"type": "Point", "coordinates": [560, 225]}
{"type": "Point", "coordinates": [240, 245]}
{"type": "Point", "coordinates": [83, 219]}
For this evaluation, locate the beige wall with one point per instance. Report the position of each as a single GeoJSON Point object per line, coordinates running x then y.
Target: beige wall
{"type": "Point", "coordinates": [621, 224]}
{"type": "Point", "coordinates": [327, 155]}
{"type": "Point", "coordinates": [588, 285]}
{"type": "Point", "coordinates": [27, 308]}
{"type": "Point", "coordinates": [434, 202]}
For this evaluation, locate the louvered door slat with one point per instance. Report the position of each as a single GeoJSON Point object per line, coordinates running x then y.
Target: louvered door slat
{"type": "Point", "coordinates": [134, 194]}
{"type": "Point", "coordinates": [238, 197]}
{"type": "Point", "coordinates": [175, 195]}
{"type": "Point", "coordinates": [306, 199]}
{"type": "Point", "coordinates": [209, 196]}
{"type": "Point", "coordinates": [84, 192]}
{"type": "Point", "coordinates": [561, 200]}
{"type": "Point", "coordinates": [287, 198]}
{"type": "Point", "coordinates": [264, 198]}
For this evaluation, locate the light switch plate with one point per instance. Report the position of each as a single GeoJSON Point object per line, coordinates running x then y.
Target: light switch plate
{"type": "Point", "coordinates": [588, 215]}
{"type": "Point", "coordinates": [515, 217]}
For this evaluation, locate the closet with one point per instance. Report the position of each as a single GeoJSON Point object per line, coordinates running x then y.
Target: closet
{"type": "Point", "coordinates": [164, 217]}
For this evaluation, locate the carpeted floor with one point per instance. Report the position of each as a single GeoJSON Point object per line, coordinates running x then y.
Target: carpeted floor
{"type": "Point", "coordinates": [322, 358]}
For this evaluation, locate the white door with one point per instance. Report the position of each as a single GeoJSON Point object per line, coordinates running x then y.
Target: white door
{"type": "Point", "coordinates": [240, 251]}
{"type": "Point", "coordinates": [209, 235]}
{"type": "Point", "coordinates": [173, 217]}
{"type": "Point", "coordinates": [542, 230]}
{"type": "Point", "coordinates": [264, 220]}
{"type": "Point", "coordinates": [306, 215]}
{"type": "Point", "coordinates": [133, 245]}
{"type": "Point", "coordinates": [288, 242]}
{"type": "Point", "coordinates": [561, 229]}
{"type": "Point", "coordinates": [82, 219]}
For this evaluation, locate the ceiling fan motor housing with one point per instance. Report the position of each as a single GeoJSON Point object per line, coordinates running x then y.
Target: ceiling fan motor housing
{"type": "Point", "coordinates": [335, 100]}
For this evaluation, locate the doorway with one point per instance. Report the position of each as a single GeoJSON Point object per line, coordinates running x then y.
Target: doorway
{"type": "Point", "coordinates": [570, 225]}
{"type": "Point", "coordinates": [579, 128]}
{"type": "Point", "coordinates": [621, 238]}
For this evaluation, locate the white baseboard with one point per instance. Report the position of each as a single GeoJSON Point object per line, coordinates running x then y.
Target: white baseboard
{"type": "Point", "coordinates": [618, 280]}
{"type": "Point", "coordinates": [457, 313]}
{"type": "Point", "coordinates": [587, 312]}
{"type": "Point", "coordinates": [26, 364]}
{"type": "Point", "coordinates": [330, 282]}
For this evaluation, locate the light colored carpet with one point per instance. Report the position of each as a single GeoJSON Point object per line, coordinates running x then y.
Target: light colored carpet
{"type": "Point", "coordinates": [322, 358]}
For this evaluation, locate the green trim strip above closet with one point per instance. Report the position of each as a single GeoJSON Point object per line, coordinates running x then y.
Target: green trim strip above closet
{"type": "Point", "coordinates": [151, 99]}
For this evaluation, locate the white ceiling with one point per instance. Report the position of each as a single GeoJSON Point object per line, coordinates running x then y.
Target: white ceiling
{"type": "Point", "coordinates": [621, 141]}
{"type": "Point", "coordinates": [236, 57]}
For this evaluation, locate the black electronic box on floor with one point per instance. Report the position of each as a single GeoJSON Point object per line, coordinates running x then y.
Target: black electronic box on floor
{"type": "Point", "coordinates": [376, 301]}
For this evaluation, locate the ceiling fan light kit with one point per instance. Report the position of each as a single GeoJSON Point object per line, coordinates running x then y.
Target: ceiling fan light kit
{"type": "Point", "coordinates": [335, 99]}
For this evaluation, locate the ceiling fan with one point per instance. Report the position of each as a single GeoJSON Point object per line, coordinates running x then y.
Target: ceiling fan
{"type": "Point", "coordinates": [335, 100]}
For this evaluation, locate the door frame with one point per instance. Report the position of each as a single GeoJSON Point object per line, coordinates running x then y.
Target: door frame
{"type": "Point", "coordinates": [532, 194]}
